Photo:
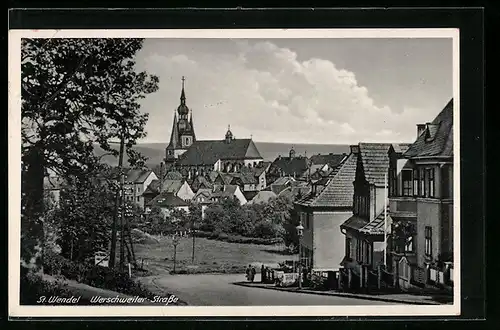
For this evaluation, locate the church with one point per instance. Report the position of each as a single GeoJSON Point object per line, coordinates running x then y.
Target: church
{"type": "Point", "coordinates": [193, 157]}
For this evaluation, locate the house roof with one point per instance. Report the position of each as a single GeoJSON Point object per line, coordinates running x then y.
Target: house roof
{"type": "Point", "coordinates": [437, 138]}
{"type": "Point", "coordinates": [375, 161]}
{"type": "Point", "coordinates": [283, 180]}
{"type": "Point", "coordinates": [263, 197]}
{"type": "Point", "coordinates": [339, 191]}
{"type": "Point", "coordinates": [171, 186]}
{"type": "Point", "coordinates": [291, 166]}
{"type": "Point", "coordinates": [331, 159]}
{"type": "Point", "coordinates": [249, 195]}
{"type": "Point", "coordinates": [210, 151]}
{"type": "Point", "coordinates": [200, 181]}
{"type": "Point", "coordinates": [173, 175]}
{"type": "Point", "coordinates": [203, 192]}
{"type": "Point", "coordinates": [375, 227]}
{"type": "Point", "coordinates": [224, 190]}
{"type": "Point", "coordinates": [137, 175]}
{"type": "Point", "coordinates": [167, 199]}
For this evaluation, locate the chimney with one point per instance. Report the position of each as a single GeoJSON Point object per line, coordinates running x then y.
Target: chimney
{"type": "Point", "coordinates": [420, 129]}
{"type": "Point", "coordinates": [354, 149]}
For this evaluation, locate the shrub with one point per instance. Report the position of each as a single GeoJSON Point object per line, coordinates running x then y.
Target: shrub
{"type": "Point", "coordinates": [32, 287]}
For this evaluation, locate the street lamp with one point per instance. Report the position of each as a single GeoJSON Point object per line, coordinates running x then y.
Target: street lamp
{"type": "Point", "coordinates": [300, 233]}
{"type": "Point", "coordinates": [175, 242]}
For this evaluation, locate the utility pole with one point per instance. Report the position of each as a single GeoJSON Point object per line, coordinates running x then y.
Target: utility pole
{"type": "Point", "coordinates": [194, 236]}
{"type": "Point", "coordinates": [117, 203]}
{"type": "Point", "coordinates": [122, 217]}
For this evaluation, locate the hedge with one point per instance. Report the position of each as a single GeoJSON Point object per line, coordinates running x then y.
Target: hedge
{"type": "Point", "coordinates": [238, 239]}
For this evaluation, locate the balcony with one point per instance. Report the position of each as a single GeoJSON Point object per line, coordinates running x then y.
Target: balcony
{"type": "Point", "coordinates": [403, 206]}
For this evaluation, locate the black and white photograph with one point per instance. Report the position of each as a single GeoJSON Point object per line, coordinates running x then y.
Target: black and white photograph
{"type": "Point", "coordinates": [234, 172]}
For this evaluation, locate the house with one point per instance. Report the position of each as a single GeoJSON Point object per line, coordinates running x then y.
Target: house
{"type": "Point", "coordinates": [321, 212]}
{"type": "Point", "coordinates": [203, 197]}
{"type": "Point", "coordinates": [364, 230]}
{"type": "Point", "coordinates": [220, 192]}
{"type": "Point", "coordinates": [326, 162]}
{"type": "Point", "coordinates": [136, 182]}
{"type": "Point", "coordinates": [421, 206]}
{"type": "Point", "coordinates": [201, 182]}
{"type": "Point", "coordinates": [293, 166]}
{"type": "Point", "coordinates": [263, 197]}
{"type": "Point", "coordinates": [167, 201]}
{"type": "Point", "coordinates": [179, 188]}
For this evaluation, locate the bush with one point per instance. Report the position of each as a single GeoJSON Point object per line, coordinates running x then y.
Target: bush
{"type": "Point", "coordinates": [238, 239]}
{"type": "Point", "coordinates": [96, 276]}
{"type": "Point", "coordinates": [32, 287]}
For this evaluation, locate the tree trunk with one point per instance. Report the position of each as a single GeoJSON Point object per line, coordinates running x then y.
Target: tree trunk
{"type": "Point", "coordinates": [33, 209]}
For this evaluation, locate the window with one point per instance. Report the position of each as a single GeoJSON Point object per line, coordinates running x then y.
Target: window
{"type": "Point", "coordinates": [430, 176]}
{"type": "Point", "coordinates": [406, 176]}
{"type": "Point", "coordinates": [348, 244]}
{"type": "Point", "coordinates": [415, 182]}
{"type": "Point", "coordinates": [138, 189]}
{"type": "Point", "coordinates": [307, 221]}
{"type": "Point", "coordinates": [367, 253]}
{"type": "Point", "coordinates": [422, 182]}
{"type": "Point", "coordinates": [428, 241]}
{"type": "Point", "coordinates": [138, 198]}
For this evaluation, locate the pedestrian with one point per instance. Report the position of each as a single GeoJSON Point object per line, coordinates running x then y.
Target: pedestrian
{"type": "Point", "coordinates": [249, 272]}
{"type": "Point", "coordinates": [252, 276]}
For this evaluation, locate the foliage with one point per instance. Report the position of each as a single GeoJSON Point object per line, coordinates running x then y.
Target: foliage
{"type": "Point", "coordinates": [32, 287]}
{"type": "Point", "coordinates": [318, 282]}
{"type": "Point", "coordinates": [261, 220]}
{"type": "Point", "coordinates": [401, 232]}
{"type": "Point", "coordinates": [96, 276]}
{"type": "Point", "coordinates": [75, 92]}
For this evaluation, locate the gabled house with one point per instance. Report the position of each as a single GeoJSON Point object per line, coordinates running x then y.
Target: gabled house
{"type": "Point", "coordinates": [136, 182]}
{"type": "Point", "coordinates": [364, 230]}
{"type": "Point", "coordinates": [321, 212]}
{"type": "Point", "coordinates": [291, 166]}
{"type": "Point", "coordinates": [263, 197]}
{"type": "Point", "coordinates": [220, 192]}
{"type": "Point", "coordinates": [167, 202]}
{"type": "Point", "coordinates": [326, 162]}
{"type": "Point", "coordinates": [421, 205]}
{"type": "Point", "coordinates": [179, 188]}
{"type": "Point", "coordinates": [201, 182]}
{"type": "Point", "coordinates": [203, 197]}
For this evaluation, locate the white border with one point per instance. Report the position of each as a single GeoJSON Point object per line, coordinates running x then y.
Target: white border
{"type": "Point", "coordinates": [14, 136]}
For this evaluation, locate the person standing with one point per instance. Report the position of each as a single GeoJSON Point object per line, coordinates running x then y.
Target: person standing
{"type": "Point", "coordinates": [253, 271]}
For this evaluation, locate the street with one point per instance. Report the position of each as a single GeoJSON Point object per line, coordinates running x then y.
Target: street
{"type": "Point", "coordinates": [220, 290]}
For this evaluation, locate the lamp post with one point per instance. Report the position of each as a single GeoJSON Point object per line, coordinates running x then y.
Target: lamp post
{"type": "Point", "coordinates": [175, 242]}
{"type": "Point", "coordinates": [300, 233]}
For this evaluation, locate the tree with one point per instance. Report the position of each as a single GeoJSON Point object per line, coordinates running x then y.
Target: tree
{"type": "Point", "coordinates": [75, 92]}
{"type": "Point", "coordinates": [84, 219]}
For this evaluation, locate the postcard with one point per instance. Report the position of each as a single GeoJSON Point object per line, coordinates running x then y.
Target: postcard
{"type": "Point", "coordinates": [234, 172]}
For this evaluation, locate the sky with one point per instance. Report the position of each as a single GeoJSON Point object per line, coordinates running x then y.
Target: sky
{"type": "Point", "coordinates": [325, 91]}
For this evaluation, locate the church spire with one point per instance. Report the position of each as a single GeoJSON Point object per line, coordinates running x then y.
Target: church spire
{"type": "Point", "coordinates": [183, 94]}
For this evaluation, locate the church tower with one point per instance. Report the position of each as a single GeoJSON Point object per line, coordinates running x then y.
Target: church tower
{"type": "Point", "coordinates": [182, 135]}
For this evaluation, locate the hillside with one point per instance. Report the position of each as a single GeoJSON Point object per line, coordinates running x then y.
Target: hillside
{"type": "Point", "coordinates": [155, 152]}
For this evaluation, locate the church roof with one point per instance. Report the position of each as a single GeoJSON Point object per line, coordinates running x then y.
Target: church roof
{"type": "Point", "coordinates": [437, 138]}
{"type": "Point", "coordinates": [333, 160]}
{"type": "Point", "coordinates": [210, 151]}
{"type": "Point", "coordinates": [175, 142]}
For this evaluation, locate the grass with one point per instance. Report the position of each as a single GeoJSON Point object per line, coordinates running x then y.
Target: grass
{"type": "Point", "coordinates": [211, 256]}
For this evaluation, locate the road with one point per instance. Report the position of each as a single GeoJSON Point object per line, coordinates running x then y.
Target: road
{"type": "Point", "coordinates": [220, 290]}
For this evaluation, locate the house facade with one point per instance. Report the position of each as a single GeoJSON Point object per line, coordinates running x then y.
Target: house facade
{"type": "Point", "coordinates": [421, 206]}
{"type": "Point", "coordinates": [364, 231]}
{"type": "Point", "coordinates": [179, 188]}
{"type": "Point", "coordinates": [321, 212]}
{"type": "Point", "coordinates": [136, 182]}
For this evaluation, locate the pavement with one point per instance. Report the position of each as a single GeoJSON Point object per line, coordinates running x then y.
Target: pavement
{"type": "Point", "coordinates": [227, 290]}
{"type": "Point", "coordinates": [399, 298]}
